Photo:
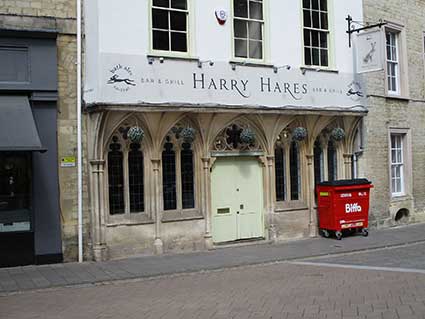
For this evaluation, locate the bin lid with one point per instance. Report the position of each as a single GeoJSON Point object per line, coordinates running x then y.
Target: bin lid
{"type": "Point", "coordinates": [346, 182]}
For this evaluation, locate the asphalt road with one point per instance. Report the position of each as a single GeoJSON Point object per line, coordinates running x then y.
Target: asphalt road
{"type": "Point", "coordinates": [331, 287]}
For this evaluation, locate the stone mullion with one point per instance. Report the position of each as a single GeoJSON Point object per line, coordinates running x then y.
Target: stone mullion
{"type": "Point", "coordinates": [98, 218]}
{"type": "Point", "coordinates": [312, 224]}
{"type": "Point", "coordinates": [270, 198]}
{"type": "Point", "coordinates": [206, 201]}
{"type": "Point", "coordinates": [158, 245]}
{"type": "Point", "coordinates": [348, 159]}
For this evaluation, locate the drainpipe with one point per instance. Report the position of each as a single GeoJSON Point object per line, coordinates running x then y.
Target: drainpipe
{"type": "Point", "coordinates": [79, 146]}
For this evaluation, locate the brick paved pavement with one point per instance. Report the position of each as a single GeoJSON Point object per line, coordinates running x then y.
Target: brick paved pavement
{"type": "Point", "coordinates": [407, 257]}
{"type": "Point", "coordinates": [36, 277]}
{"type": "Point", "coordinates": [271, 291]}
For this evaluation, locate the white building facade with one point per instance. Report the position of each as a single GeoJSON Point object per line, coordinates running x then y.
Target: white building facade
{"type": "Point", "coordinates": [211, 122]}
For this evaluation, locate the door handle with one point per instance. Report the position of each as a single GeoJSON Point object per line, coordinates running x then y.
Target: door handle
{"type": "Point", "coordinates": [241, 206]}
{"type": "Point", "coordinates": [237, 213]}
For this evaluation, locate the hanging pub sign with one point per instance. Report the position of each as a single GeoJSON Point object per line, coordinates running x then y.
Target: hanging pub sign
{"type": "Point", "coordinates": [369, 51]}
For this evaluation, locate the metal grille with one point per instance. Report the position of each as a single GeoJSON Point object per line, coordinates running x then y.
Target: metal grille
{"type": "Point", "coordinates": [169, 177]}
{"type": "Point", "coordinates": [294, 160]}
{"type": "Point", "coordinates": [188, 196]}
{"type": "Point", "coordinates": [115, 178]}
{"type": "Point", "coordinates": [279, 154]}
{"type": "Point", "coordinates": [135, 176]}
{"type": "Point", "coordinates": [332, 163]}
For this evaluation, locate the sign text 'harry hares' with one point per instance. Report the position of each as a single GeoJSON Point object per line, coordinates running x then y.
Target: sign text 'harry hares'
{"type": "Point", "coordinates": [242, 87]}
{"type": "Point", "coordinates": [137, 83]}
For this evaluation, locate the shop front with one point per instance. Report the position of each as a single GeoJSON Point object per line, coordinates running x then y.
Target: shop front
{"type": "Point", "coordinates": [29, 197]}
{"type": "Point", "coordinates": [188, 158]}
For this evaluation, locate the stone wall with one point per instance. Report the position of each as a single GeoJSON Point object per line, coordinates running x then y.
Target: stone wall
{"type": "Point", "coordinates": [407, 113]}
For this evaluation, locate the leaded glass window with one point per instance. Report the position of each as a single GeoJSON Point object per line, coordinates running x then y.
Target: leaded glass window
{"type": "Point", "coordinates": [136, 178]}
{"type": "Point", "coordinates": [280, 175]}
{"type": "Point", "coordinates": [187, 176]}
{"type": "Point", "coordinates": [318, 162]}
{"type": "Point", "coordinates": [178, 170]}
{"type": "Point", "coordinates": [115, 178]}
{"type": "Point", "coordinates": [294, 160]}
{"type": "Point", "coordinates": [332, 161]}
{"type": "Point", "coordinates": [169, 176]}
{"type": "Point", "coordinates": [287, 168]}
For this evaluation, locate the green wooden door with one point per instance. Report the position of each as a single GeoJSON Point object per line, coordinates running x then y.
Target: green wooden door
{"type": "Point", "coordinates": [237, 199]}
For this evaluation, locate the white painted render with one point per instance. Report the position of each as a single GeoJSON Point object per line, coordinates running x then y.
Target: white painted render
{"type": "Point", "coordinates": [122, 29]}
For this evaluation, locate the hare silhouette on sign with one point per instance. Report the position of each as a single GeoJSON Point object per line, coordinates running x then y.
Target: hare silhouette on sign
{"type": "Point", "coordinates": [116, 79]}
{"type": "Point", "coordinates": [369, 56]}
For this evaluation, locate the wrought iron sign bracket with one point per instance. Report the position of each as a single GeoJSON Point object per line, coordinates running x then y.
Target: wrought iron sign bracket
{"type": "Point", "coordinates": [351, 28]}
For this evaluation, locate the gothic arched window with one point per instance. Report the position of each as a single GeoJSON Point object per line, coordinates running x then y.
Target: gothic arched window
{"type": "Point", "coordinates": [136, 178]}
{"type": "Point", "coordinates": [318, 162]}
{"type": "Point", "coordinates": [287, 168]}
{"type": "Point", "coordinates": [126, 176]}
{"type": "Point", "coordinates": [169, 176]}
{"type": "Point", "coordinates": [116, 178]}
{"type": "Point", "coordinates": [332, 161]}
{"type": "Point", "coordinates": [178, 172]}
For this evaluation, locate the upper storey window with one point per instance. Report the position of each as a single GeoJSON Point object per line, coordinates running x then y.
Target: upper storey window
{"type": "Point", "coordinates": [316, 33]}
{"type": "Point", "coordinates": [393, 66]}
{"type": "Point", "coordinates": [170, 25]}
{"type": "Point", "coordinates": [248, 29]}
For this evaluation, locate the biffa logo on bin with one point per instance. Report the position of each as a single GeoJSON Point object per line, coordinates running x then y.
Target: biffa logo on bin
{"type": "Point", "coordinates": [353, 208]}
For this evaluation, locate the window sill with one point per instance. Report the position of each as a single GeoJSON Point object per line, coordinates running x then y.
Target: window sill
{"type": "Point", "coordinates": [177, 216]}
{"type": "Point", "coordinates": [305, 68]}
{"type": "Point", "coordinates": [250, 63]}
{"type": "Point", "coordinates": [400, 198]}
{"type": "Point", "coordinates": [145, 220]}
{"type": "Point", "coordinates": [171, 56]}
{"type": "Point", "coordinates": [397, 97]}
{"type": "Point", "coordinates": [282, 207]}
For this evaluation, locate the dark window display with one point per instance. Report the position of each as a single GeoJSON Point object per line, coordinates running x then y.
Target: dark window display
{"type": "Point", "coordinates": [15, 191]}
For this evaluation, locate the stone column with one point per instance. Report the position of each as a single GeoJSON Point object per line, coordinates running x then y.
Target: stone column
{"type": "Point", "coordinates": [312, 224]}
{"type": "Point", "coordinates": [348, 161]}
{"type": "Point", "coordinates": [206, 201]}
{"type": "Point", "coordinates": [158, 245]}
{"type": "Point", "coordinates": [270, 201]}
{"type": "Point", "coordinates": [98, 209]}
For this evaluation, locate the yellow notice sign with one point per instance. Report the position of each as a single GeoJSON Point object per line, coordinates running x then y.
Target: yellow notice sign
{"type": "Point", "coordinates": [324, 194]}
{"type": "Point", "coordinates": [68, 161]}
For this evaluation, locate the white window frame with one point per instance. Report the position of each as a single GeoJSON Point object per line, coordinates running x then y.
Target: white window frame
{"type": "Point", "coordinates": [329, 11]}
{"type": "Point", "coordinates": [406, 156]}
{"type": "Point", "coordinates": [402, 90]}
{"type": "Point", "coordinates": [397, 161]}
{"type": "Point", "coordinates": [189, 33]}
{"type": "Point", "coordinates": [263, 34]}
{"type": "Point", "coordinates": [393, 49]}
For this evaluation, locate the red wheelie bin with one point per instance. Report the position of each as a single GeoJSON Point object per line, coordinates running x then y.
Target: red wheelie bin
{"type": "Point", "coordinates": [343, 205]}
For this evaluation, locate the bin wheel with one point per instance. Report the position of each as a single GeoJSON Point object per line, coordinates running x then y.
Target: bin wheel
{"type": "Point", "coordinates": [365, 232]}
{"type": "Point", "coordinates": [325, 233]}
{"type": "Point", "coordinates": [338, 235]}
